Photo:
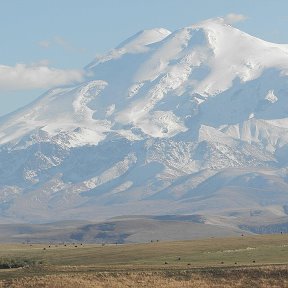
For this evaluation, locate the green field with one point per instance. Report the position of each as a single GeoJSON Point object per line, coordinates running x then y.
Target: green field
{"type": "Point", "coordinates": [197, 256]}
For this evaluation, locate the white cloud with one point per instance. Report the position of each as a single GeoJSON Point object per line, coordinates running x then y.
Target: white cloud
{"type": "Point", "coordinates": [233, 18]}
{"type": "Point", "coordinates": [44, 44]}
{"type": "Point", "coordinates": [63, 43]}
{"type": "Point", "coordinates": [60, 42]}
{"type": "Point", "coordinates": [22, 76]}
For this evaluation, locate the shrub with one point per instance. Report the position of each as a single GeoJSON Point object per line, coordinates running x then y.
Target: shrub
{"type": "Point", "coordinates": [8, 263]}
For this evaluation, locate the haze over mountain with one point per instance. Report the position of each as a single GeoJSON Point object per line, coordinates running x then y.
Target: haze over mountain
{"type": "Point", "coordinates": [187, 122]}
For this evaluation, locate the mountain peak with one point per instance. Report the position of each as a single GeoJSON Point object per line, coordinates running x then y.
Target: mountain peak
{"type": "Point", "coordinates": [211, 21]}
{"type": "Point", "coordinates": [135, 44]}
{"type": "Point", "coordinates": [131, 83]}
{"type": "Point", "coordinates": [145, 37]}
{"type": "Point", "coordinates": [161, 116]}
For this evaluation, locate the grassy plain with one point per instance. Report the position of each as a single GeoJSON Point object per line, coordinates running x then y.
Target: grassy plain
{"type": "Point", "coordinates": [248, 261]}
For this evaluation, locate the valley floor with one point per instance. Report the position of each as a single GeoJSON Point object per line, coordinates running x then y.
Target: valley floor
{"type": "Point", "coordinates": [247, 261]}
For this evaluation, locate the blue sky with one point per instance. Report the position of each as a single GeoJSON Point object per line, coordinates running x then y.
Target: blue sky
{"type": "Point", "coordinates": [51, 40]}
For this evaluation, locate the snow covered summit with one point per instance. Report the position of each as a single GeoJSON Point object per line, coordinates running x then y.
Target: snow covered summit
{"type": "Point", "coordinates": [193, 121]}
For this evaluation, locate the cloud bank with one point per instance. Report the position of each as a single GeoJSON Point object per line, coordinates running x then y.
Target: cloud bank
{"type": "Point", "coordinates": [25, 77]}
{"type": "Point", "coordinates": [233, 18]}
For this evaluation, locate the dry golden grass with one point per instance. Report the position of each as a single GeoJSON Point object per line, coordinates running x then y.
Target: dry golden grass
{"type": "Point", "coordinates": [269, 276]}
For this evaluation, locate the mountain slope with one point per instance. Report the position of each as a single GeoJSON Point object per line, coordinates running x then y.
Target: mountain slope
{"type": "Point", "coordinates": [164, 123]}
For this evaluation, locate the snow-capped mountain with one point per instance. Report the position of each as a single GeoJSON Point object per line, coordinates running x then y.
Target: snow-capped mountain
{"type": "Point", "coordinates": [191, 121]}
